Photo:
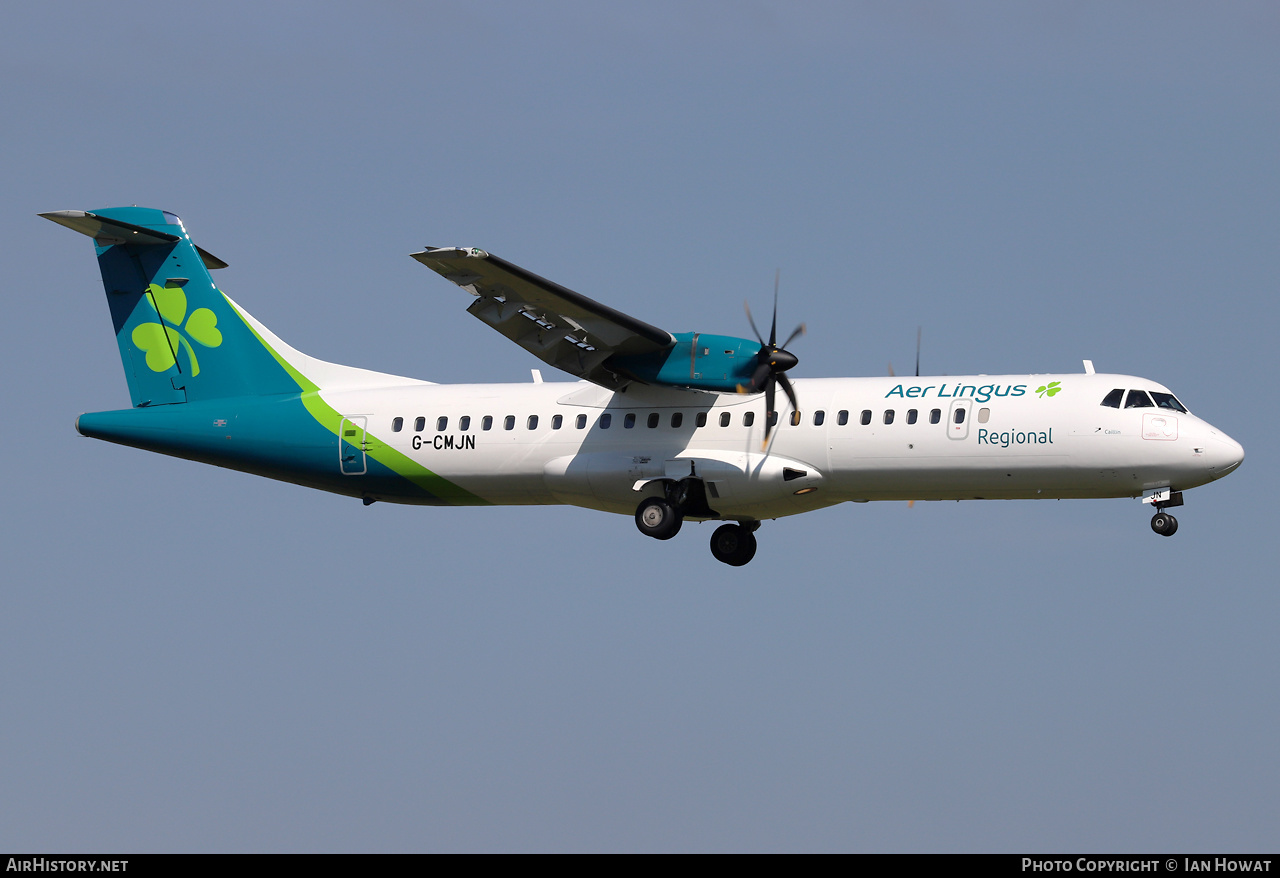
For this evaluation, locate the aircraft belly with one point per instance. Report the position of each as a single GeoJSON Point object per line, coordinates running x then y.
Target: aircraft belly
{"type": "Point", "coordinates": [738, 484]}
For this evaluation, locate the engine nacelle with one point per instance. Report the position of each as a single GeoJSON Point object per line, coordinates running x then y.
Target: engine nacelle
{"type": "Point", "coordinates": [721, 363]}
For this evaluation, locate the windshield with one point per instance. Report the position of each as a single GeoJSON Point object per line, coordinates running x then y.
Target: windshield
{"type": "Point", "coordinates": [1168, 401]}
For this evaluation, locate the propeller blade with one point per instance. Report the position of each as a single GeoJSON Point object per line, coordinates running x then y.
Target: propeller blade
{"type": "Point", "coordinates": [753, 323]}
{"type": "Point", "coordinates": [768, 408]}
{"type": "Point", "coordinates": [786, 387]}
{"type": "Point", "coordinates": [773, 330]}
{"type": "Point", "coordinates": [760, 376]}
{"type": "Point", "coordinates": [772, 363]}
{"type": "Point", "coordinates": [798, 331]}
{"type": "Point", "coordinates": [918, 331]}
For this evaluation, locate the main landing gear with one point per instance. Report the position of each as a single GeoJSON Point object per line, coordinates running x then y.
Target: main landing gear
{"type": "Point", "coordinates": [658, 518]}
{"type": "Point", "coordinates": [661, 517]}
{"type": "Point", "coordinates": [734, 544]}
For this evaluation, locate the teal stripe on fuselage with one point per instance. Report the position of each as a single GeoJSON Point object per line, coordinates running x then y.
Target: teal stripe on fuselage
{"type": "Point", "coordinates": [274, 436]}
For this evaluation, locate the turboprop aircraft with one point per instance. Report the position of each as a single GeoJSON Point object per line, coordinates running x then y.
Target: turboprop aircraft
{"type": "Point", "coordinates": [665, 427]}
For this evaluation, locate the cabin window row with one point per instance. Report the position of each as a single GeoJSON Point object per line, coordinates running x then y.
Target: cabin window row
{"type": "Point", "coordinates": [654, 419]}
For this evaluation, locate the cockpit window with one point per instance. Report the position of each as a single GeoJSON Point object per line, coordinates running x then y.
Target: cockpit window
{"type": "Point", "coordinates": [1168, 401]}
{"type": "Point", "coordinates": [1113, 398]}
{"type": "Point", "coordinates": [1138, 399]}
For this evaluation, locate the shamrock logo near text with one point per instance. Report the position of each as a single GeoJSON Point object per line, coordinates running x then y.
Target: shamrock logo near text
{"type": "Point", "coordinates": [1048, 389]}
{"type": "Point", "coordinates": [160, 340]}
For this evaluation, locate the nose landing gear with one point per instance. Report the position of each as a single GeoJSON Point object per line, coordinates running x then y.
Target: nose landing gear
{"type": "Point", "coordinates": [1162, 498]}
{"type": "Point", "coordinates": [1164, 524]}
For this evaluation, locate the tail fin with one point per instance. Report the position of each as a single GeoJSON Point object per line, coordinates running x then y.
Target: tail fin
{"type": "Point", "coordinates": [180, 338]}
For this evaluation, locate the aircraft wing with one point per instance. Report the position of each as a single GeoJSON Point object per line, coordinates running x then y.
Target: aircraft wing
{"type": "Point", "coordinates": [558, 326]}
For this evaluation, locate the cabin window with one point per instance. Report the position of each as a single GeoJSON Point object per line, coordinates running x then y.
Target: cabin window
{"type": "Point", "coordinates": [419, 424]}
{"type": "Point", "coordinates": [486, 423]}
{"type": "Point", "coordinates": [748, 418]}
{"type": "Point", "coordinates": [724, 419]}
{"type": "Point", "coordinates": [653, 420]}
{"type": "Point", "coordinates": [532, 423]}
{"type": "Point", "coordinates": [581, 422]}
{"type": "Point", "coordinates": [677, 418]}
{"type": "Point", "coordinates": [912, 414]}
{"type": "Point", "coordinates": [1168, 401]}
{"type": "Point", "coordinates": [397, 425]}
{"type": "Point", "coordinates": [795, 418]}
{"type": "Point", "coordinates": [935, 416]}
{"type": "Point", "coordinates": [818, 417]}
{"type": "Point", "coordinates": [605, 420]}
{"type": "Point", "coordinates": [1138, 399]}
{"type": "Point", "coordinates": [959, 416]}
{"type": "Point", "coordinates": [773, 419]}
{"type": "Point", "coordinates": [464, 423]}
{"type": "Point", "coordinates": [629, 421]}
{"type": "Point", "coordinates": [866, 417]}
{"type": "Point", "coordinates": [442, 424]}
{"type": "Point", "coordinates": [509, 422]}
{"type": "Point", "coordinates": [984, 415]}
{"type": "Point", "coordinates": [888, 416]}
{"type": "Point", "coordinates": [1112, 399]}
{"type": "Point", "coordinates": [557, 421]}
{"type": "Point", "coordinates": [700, 420]}
{"type": "Point", "coordinates": [842, 418]}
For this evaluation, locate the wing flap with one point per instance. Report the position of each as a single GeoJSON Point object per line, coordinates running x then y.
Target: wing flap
{"type": "Point", "coordinates": [562, 328]}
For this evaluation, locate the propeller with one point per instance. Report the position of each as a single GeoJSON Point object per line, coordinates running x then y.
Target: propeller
{"type": "Point", "coordinates": [772, 362]}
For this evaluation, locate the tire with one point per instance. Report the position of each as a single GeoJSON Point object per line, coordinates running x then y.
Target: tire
{"type": "Point", "coordinates": [733, 544]}
{"type": "Point", "coordinates": [1164, 524]}
{"type": "Point", "coordinates": [658, 519]}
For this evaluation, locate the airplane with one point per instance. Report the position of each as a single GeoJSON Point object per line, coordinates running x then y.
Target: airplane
{"type": "Point", "coordinates": [665, 427]}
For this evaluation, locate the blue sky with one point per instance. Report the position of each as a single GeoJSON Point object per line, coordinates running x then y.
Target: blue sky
{"type": "Point", "coordinates": [199, 660]}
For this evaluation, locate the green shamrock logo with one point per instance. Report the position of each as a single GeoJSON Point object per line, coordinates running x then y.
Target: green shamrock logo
{"type": "Point", "coordinates": [1048, 389]}
{"type": "Point", "coordinates": [160, 340]}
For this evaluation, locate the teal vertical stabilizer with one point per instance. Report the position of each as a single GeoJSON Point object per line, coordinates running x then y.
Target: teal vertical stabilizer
{"type": "Point", "coordinates": [180, 339]}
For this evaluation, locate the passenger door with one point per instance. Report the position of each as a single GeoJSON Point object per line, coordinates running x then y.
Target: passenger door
{"type": "Point", "coordinates": [352, 446]}
{"type": "Point", "coordinates": [958, 419]}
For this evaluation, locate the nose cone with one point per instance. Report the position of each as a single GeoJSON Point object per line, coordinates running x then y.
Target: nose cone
{"type": "Point", "coordinates": [1223, 455]}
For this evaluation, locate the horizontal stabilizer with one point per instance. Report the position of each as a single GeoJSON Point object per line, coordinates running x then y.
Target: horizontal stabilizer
{"type": "Point", "coordinates": [106, 232]}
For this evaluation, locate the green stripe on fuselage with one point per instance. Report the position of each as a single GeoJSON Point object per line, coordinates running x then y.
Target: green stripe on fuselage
{"type": "Point", "coordinates": [399, 463]}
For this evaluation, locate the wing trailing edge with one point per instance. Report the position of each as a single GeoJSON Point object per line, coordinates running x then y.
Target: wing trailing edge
{"type": "Point", "coordinates": [562, 328]}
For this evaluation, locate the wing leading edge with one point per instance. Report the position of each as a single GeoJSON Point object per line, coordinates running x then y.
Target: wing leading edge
{"type": "Point", "coordinates": [558, 326]}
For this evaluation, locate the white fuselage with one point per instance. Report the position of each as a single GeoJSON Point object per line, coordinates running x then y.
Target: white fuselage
{"type": "Point", "coordinates": [547, 443]}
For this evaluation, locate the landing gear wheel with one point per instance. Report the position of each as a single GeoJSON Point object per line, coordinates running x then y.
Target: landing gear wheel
{"type": "Point", "coordinates": [658, 519]}
{"type": "Point", "coordinates": [733, 544]}
{"type": "Point", "coordinates": [1164, 524]}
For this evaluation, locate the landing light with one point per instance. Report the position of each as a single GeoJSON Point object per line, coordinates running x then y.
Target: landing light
{"type": "Point", "coordinates": [808, 490]}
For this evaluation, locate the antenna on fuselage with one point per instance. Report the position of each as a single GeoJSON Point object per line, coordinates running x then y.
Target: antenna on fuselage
{"type": "Point", "coordinates": [893, 374]}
